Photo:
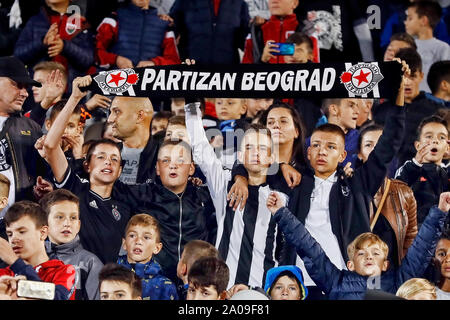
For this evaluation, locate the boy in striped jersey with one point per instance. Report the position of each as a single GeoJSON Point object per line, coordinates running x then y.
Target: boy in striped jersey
{"type": "Point", "coordinates": [246, 238]}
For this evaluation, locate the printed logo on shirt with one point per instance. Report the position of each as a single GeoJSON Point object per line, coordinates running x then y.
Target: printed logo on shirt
{"type": "Point", "coordinates": [116, 213]}
{"type": "Point", "coordinates": [25, 132]}
{"type": "Point", "coordinates": [116, 81]}
{"type": "Point", "coordinates": [327, 28]}
{"type": "Point", "coordinates": [361, 78]}
{"type": "Point", "coordinates": [93, 204]}
{"type": "Point", "coordinates": [3, 151]}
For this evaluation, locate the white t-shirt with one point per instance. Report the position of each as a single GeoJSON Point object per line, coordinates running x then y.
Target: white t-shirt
{"type": "Point", "coordinates": [130, 169]}
{"type": "Point", "coordinates": [442, 295]}
{"type": "Point", "coordinates": [6, 169]}
{"type": "Point", "coordinates": [318, 225]}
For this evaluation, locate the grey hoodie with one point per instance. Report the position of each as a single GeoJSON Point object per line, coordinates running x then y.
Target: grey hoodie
{"type": "Point", "coordinates": [87, 265]}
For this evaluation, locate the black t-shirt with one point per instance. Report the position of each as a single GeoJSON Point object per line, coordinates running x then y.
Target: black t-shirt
{"type": "Point", "coordinates": [103, 220]}
{"type": "Point", "coordinates": [333, 21]}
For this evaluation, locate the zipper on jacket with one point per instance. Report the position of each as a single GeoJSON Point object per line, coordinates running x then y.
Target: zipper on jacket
{"type": "Point", "coordinates": [15, 166]}
{"type": "Point", "coordinates": [281, 36]}
{"type": "Point", "coordinates": [180, 198]}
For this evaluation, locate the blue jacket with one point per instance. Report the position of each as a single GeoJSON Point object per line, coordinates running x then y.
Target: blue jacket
{"type": "Point", "coordinates": [209, 39]}
{"type": "Point", "coordinates": [343, 284]}
{"type": "Point", "coordinates": [141, 33]}
{"type": "Point", "coordinates": [155, 286]}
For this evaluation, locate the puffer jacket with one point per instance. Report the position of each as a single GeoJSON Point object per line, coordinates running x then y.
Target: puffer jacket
{"type": "Point", "coordinates": [400, 210]}
{"type": "Point", "coordinates": [87, 266]}
{"type": "Point", "coordinates": [347, 285]}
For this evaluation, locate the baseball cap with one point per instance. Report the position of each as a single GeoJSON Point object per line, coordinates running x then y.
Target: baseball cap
{"type": "Point", "coordinates": [11, 67]}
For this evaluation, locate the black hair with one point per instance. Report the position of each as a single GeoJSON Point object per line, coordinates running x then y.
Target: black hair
{"type": "Point", "coordinates": [430, 9]}
{"type": "Point", "coordinates": [439, 71]}
{"type": "Point", "coordinates": [427, 120]}
{"type": "Point", "coordinates": [291, 276]}
{"type": "Point", "coordinates": [366, 129]}
{"type": "Point", "coordinates": [405, 37]}
{"type": "Point", "coordinates": [412, 58]}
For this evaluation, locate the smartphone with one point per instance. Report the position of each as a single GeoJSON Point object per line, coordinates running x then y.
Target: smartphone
{"type": "Point", "coordinates": [286, 49]}
{"type": "Point", "coordinates": [36, 289]}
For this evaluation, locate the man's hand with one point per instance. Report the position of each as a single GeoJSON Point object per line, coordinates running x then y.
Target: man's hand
{"type": "Point", "coordinates": [54, 87]}
{"type": "Point", "coordinates": [292, 176]}
{"type": "Point", "coordinates": [348, 170]}
{"type": "Point", "coordinates": [41, 188]}
{"type": "Point", "coordinates": [444, 201]}
{"type": "Point", "coordinates": [274, 202]}
{"type": "Point", "coordinates": [8, 287]}
{"type": "Point", "coordinates": [269, 48]}
{"type": "Point", "coordinates": [55, 47]}
{"type": "Point", "coordinates": [145, 63]}
{"type": "Point", "coordinates": [189, 62]}
{"type": "Point", "coordinates": [238, 194]}
{"type": "Point", "coordinates": [80, 82]}
{"type": "Point", "coordinates": [258, 21]}
{"type": "Point", "coordinates": [98, 101]}
{"type": "Point", "coordinates": [401, 91]}
{"type": "Point", "coordinates": [123, 63]}
{"type": "Point", "coordinates": [6, 252]}
{"type": "Point", "coordinates": [235, 289]}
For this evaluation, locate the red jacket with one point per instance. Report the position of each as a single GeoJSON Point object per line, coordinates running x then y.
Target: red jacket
{"type": "Point", "coordinates": [276, 29]}
{"type": "Point", "coordinates": [55, 271]}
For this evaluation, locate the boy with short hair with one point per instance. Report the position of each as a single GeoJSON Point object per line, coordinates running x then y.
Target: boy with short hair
{"type": "Point", "coordinates": [438, 80]}
{"type": "Point", "coordinates": [208, 279]}
{"type": "Point", "coordinates": [26, 228]}
{"type": "Point", "coordinates": [426, 173]}
{"type": "Point", "coordinates": [442, 262]}
{"type": "Point", "coordinates": [4, 194]}
{"type": "Point", "coordinates": [193, 250]}
{"type": "Point", "coordinates": [176, 129]}
{"type": "Point", "coordinates": [422, 18]}
{"type": "Point", "coordinates": [119, 283]}
{"type": "Point", "coordinates": [367, 264]}
{"type": "Point", "coordinates": [63, 217]}
{"type": "Point", "coordinates": [303, 51]}
{"type": "Point", "coordinates": [141, 242]}
{"type": "Point", "coordinates": [417, 289]}
{"type": "Point", "coordinates": [160, 121]}
{"type": "Point", "coordinates": [398, 41]}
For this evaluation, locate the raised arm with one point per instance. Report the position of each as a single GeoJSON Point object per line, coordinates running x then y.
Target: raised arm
{"type": "Point", "coordinates": [52, 145]}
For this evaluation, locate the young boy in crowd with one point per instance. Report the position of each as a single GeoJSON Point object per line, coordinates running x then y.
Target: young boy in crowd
{"type": "Point", "coordinates": [343, 113]}
{"type": "Point", "coordinates": [208, 279]}
{"type": "Point", "coordinates": [438, 80]}
{"type": "Point", "coordinates": [417, 289]}
{"type": "Point", "coordinates": [303, 51]}
{"type": "Point", "coordinates": [120, 46]}
{"type": "Point", "coordinates": [26, 228]}
{"type": "Point", "coordinates": [398, 41]}
{"type": "Point", "coordinates": [119, 283]}
{"type": "Point", "coordinates": [193, 250]}
{"type": "Point", "coordinates": [177, 106]}
{"type": "Point", "coordinates": [4, 194]}
{"type": "Point", "coordinates": [285, 283]}
{"type": "Point", "coordinates": [422, 17]}
{"type": "Point", "coordinates": [256, 105]}
{"type": "Point", "coordinates": [176, 129]}
{"type": "Point", "coordinates": [246, 238]}
{"type": "Point", "coordinates": [142, 242]}
{"type": "Point", "coordinates": [160, 121]}
{"type": "Point", "coordinates": [367, 265]}
{"type": "Point", "coordinates": [63, 217]}
{"type": "Point", "coordinates": [442, 262]}
{"type": "Point", "coordinates": [426, 173]}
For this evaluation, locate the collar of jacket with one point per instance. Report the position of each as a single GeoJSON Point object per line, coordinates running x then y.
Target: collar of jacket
{"type": "Point", "coordinates": [137, 10]}
{"type": "Point", "coordinates": [289, 17]}
{"type": "Point", "coordinates": [151, 268]}
{"type": "Point", "coordinates": [169, 195]}
{"type": "Point", "coordinates": [66, 248]}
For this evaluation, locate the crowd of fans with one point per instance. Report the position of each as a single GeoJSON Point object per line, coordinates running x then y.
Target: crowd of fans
{"type": "Point", "coordinates": [114, 197]}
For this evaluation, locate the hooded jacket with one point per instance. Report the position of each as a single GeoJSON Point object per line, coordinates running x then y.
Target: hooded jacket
{"type": "Point", "coordinates": [347, 285]}
{"type": "Point", "coordinates": [155, 286]}
{"type": "Point", "coordinates": [273, 274]}
{"type": "Point", "coordinates": [87, 266]}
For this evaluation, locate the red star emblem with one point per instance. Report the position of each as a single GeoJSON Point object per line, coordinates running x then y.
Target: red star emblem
{"type": "Point", "coordinates": [116, 78]}
{"type": "Point", "coordinates": [362, 77]}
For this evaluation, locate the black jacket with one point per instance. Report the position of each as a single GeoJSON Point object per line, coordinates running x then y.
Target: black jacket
{"type": "Point", "coordinates": [17, 138]}
{"type": "Point", "coordinates": [350, 197]}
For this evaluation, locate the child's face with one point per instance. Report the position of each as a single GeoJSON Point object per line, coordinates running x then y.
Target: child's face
{"type": "Point", "coordinates": [63, 222]}
{"type": "Point", "coordinates": [116, 290]}
{"type": "Point", "coordinates": [412, 83]}
{"type": "Point", "coordinates": [174, 167]}
{"type": "Point", "coordinates": [370, 260]}
{"type": "Point", "coordinates": [281, 125]}
{"type": "Point", "coordinates": [105, 164]}
{"type": "Point", "coordinates": [144, 4]}
{"type": "Point", "coordinates": [326, 152]}
{"type": "Point", "coordinates": [285, 288]}
{"type": "Point", "coordinates": [72, 128]}
{"type": "Point", "coordinates": [282, 7]}
{"type": "Point", "coordinates": [413, 22]}
{"type": "Point", "coordinates": [368, 143]}
{"type": "Point", "coordinates": [347, 113]}
{"type": "Point", "coordinates": [159, 125]}
{"type": "Point", "coordinates": [392, 49]}
{"type": "Point", "coordinates": [141, 244]}
{"type": "Point", "coordinates": [442, 256]}
{"type": "Point", "coordinates": [25, 239]}
{"type": "Point", "coordinates": [230, 109]}
{"type": "Point", "coordinates": [434, 135]}
{"type": "Point", "coordinates": [177, 106]}
{"type": "Point", "coordinates": [177, 132]}
{"type": "Point", "coordinates": [202, 293]}
{"type": "Point", "coordinates": [302, 54]}
{"type": "Point", "coordinates": [39, 92]}
{"type": "Point", "coordinates": [256, 153]}
{"type": "Point", "coordinates": [255, 105]}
